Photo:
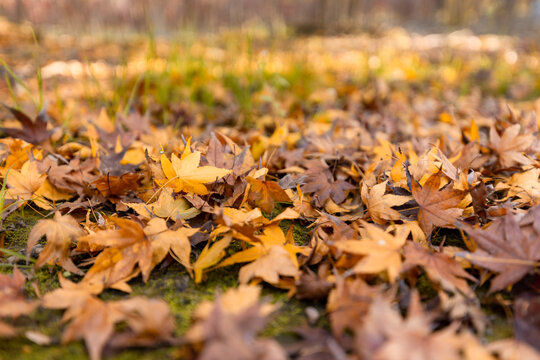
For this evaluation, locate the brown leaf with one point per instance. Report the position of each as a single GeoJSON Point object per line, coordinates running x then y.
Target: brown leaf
{"type": "Point", "coordinates": [510, 146]}
{"type": "Point", "coordinates": [34, 132]}
{"type": "Point", "coordinates": [223, 333]}
{"type": "Point", "coordinates": [150, 323]}
{"type": "Point", "coordinates": [125, 249]}
{"type": "Point", "coordinates": [348, 304]}
{"type": "Point", "coordinates": [264, 194]}
{"type": "Point", "coordinates": [75, 176]}
{"type": "Point", "coordinates": [506, 248]}
{"type": "Point", "coordinates": [527, 320]}
{"type": "Point", "coordinates": [312, 287]}
{"type": "Point", "coordinates": [70, 293]}
{"type": "Point", "coordinates": [436, 207]}
{"type": "Point", "coordinates": [109, 185]}
{"type": "Point", "coordinates": [13, 303]}
{"type": "Point", "coordinates": [270, 266]}
{"type": "Point", "coordinates": [379, 205]}
{"type": "Point", "coordinates": [384, 334]}
{"type": "Point", "coordinates": [320, 181]}
{"type": "Point", "coordinates": [60, 232]}
{"type": "Point", "coordinates": [439, 267]}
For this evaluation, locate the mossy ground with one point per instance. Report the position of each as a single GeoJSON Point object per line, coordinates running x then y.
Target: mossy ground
{"type": "Point", "coordinates": [172, 284]}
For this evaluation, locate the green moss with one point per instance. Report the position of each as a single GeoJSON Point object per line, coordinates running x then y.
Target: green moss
{"type": "Point", "coordinates": [17, 227]}
{"type": "Point", "coordinates": [172, 284]}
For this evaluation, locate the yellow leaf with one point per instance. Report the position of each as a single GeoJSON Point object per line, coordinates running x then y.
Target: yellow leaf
{"type": "Point", "coordinates": [274, 263]}
{"type": "Point", "coordinates": [166, 207]}
{"type": "Point", "coordinates": [184, 174]}
{"type": "Point", "coordinates": [382, 251]}
{"type": "Point", "coordinates": [210, 256]}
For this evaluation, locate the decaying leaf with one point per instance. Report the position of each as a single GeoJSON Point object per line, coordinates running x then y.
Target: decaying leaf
{"type": "Point", "coordinates": [127, 251]}
{"type": "Point", "coordinates": [379, 205]}
{"type": "Point", "coordinates": [61, 231]}
{"type": "Point", "coordinates": [384, 334]}
{"type": "Point", "coordinates": [381, 250]}
{"type": "Point", "coordinates": [436, 207]}
{"type": "Point", "coordinates": [439, 267]}
{"type": "Point", "coordinates": [13, 303]}
{"type": "Point", "coordinates": [506, 248]}
{"type": "Point", "coordinates": [165, 241]}
{"type": "Point", "coordinates": [510, 146]}
{"type": "Point", "coordinates": [264, 194]}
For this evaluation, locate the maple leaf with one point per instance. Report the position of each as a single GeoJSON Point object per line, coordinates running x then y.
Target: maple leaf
{"type": "Point", "coordinates": [510, 146]}
{"type": "Point", "coordinates": [316, 343]}
{"type": "Point", "coordinates": [92, 320]}
{"type": "Point", "coordinates": [384, 334]}
{"type": "Point", "coordinates": [165, 241]}
{"type": "Point", "coordinates": [70, 294]}
{"type": "Point", "coordinates": [439, 267]}
{"type": "Point", "coordinates": [379, 205]}
{"type": "Point", "coordinates": [12, 300]}
{"type": "Point", "coordinates": [149, 321]}
{"type": "Point", "coordinates": [185, 174]}
{"type": "Point", "coordinates": [436, 207]}
{"type": "Point", "coordinates": [234, 301]}
{"type": "Point", "coordinates": [269, 267]}
{"type": "Point", "coordinates": [229, 156]}
{"type": "Point", "coordinates": [320, 181]}
{"type": "Point", "coordinates": [109, 185]}
{"type": "Point", "coordinates": [271, 236]}
{"type": "Point", "coordinates": [210, 256]}
{"type": "Point", "coordinates": [125, 248]}
{"type": "Point", "coordinates": [60, 232]}
{"type": "Point", "coordinates": [381, 250]}
{"type": "Point", "coordinates": [348, 304]}
{"type": "Point", "coordinates": [264, 194]}
{"type": "Point", "coordinates": [34, 132]}
{"type": "Point", "coordinates": [75, 176]}
{"type": "Point", "coordinates": [166, 206]}
{"type": "Point", "coordinates": [312, 287]}
{"type": "Point", "coordinates": [524, 186]}
{"type": "Point", "coordinates": [506, 248]}
{"type": "Point", "coordinates": [24, 184]}
{"type": "Point", "coordinates": [223, 332]}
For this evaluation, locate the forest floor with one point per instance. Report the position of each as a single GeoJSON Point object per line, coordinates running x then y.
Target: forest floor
{"type": "Point", "coordinates": [312, 155]}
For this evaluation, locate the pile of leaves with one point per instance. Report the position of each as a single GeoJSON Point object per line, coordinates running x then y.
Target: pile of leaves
{"type": "Point", "coordinates": [421, 222]}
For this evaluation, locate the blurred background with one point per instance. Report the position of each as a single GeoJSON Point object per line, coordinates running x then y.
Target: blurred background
{"type": "Point", "coordinates": [300, 16]}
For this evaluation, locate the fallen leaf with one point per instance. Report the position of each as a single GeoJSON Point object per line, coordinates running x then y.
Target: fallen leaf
{"type": "Point", "coordinates": [165, 241]}
{"type": "Point", "coordinates": [379, 205]}
{"type": "Point", "coordinates": [269, 267]}
{"type": "Point", "coordinates": [185, 174]}
{"type": "Point", "coordinates": [320, 181]}
{"type": "Point", "coordinates": [265, 194]}
{"type": "Point", "coordinates": [34, 132]}
{"type": "Point", "coordinates": [439, 267]}
{"type": "Point", "coordinates": [210, 256]}
{"type": "Point", "coordinates": [510, 146]}
{"type": "Point", "coordinates": [436, 207]}
{"type": "Point", "coordinates": [61, 232]}
{"type": "Point", "coordinates": [505, 249]}
{"type": "Point", "coordinates": [381, 250]}
{"type": "Point", "coordinates": [125, 249]}
{"type": "Point", "coordinates": [166, 207]}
